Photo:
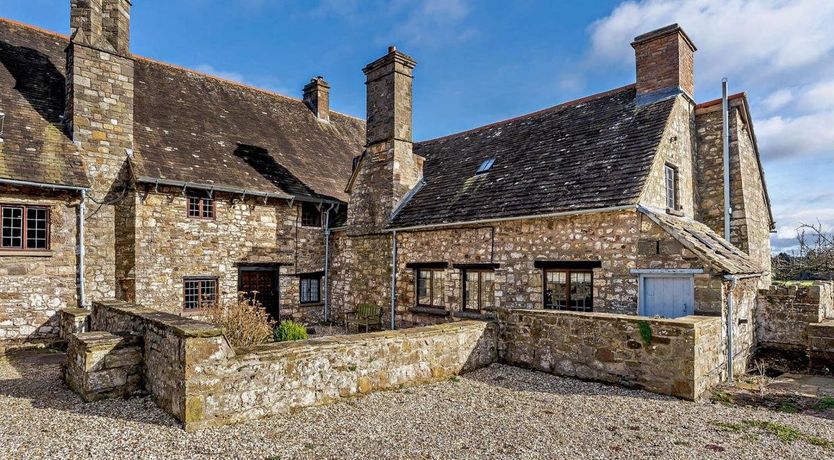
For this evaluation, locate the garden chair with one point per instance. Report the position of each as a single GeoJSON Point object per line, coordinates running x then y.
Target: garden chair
{"type": "Point", "coordinates": [365, 314]}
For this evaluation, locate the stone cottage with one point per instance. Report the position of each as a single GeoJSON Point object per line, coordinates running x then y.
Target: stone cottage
{"type": "Point", "coordinates": [125, 177]}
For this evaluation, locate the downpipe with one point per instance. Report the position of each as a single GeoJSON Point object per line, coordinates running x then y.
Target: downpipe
{"type": "Point", "coordinates": [82, 293]}
{"type": "Point", "coordinates": [393, 280]}
{"type": "Point", "coordinates": [327, 263]}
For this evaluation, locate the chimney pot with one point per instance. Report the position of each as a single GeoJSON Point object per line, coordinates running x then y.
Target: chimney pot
{"type": "Point", "coordinates": [392, 49]}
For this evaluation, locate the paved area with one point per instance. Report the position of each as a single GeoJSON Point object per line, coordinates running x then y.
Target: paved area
{"type": "Point", "coordinates": [497, 412]}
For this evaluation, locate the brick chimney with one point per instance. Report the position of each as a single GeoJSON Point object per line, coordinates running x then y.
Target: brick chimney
{"type": "Point", "coordinates": [388, 169]}
{"type": "Point", "coordinates": [665, 62]}
{"type": "Point", "coordinates": [317, 98]}
{"type": "Point", "coordinates": [99, 117]}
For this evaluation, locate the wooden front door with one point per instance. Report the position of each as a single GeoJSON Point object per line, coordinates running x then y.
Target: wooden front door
{"type": "Point", "coordinates": [261, 283]}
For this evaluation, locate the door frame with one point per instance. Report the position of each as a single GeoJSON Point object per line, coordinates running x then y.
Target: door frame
{"type": "Point", "coordinates": [662, 273]}
{"type": "Point", "coordinates": [275, 268]}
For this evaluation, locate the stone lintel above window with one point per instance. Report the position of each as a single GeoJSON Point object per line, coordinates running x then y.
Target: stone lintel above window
{"type": "Point", "coordinates": [568, 264]}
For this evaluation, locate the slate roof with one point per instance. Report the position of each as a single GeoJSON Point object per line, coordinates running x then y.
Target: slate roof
{"type": "Point", "coordinates": [705, 243]}
{"type": "Point", "coordinates": [591, 153]}
{"type": "Point", "coordinates": [199, 129]}
{"type": "Point", "coordinates": [35, 147]}
{"type": "Point", "coordinates": [188, 127]}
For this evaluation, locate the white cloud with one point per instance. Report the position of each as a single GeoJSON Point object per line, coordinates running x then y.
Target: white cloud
{"type": "Point", "coordinates": [778, 99]}
{"type": "Point", "coordinates": [781, 137]}
{"type": "Point", "coordinates": [768, 37]}
{"type": "Point", "coordinates": [209, 69]}
{"type": "Point", "coordinates": [432, 22]}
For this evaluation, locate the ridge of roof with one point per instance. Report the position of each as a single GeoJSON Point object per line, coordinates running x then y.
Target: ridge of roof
{"type": "Point", "coordinates": [562, 105]}
{"type": "Point", "coordinates": [732, 97]}
{"type": "Point", "coordinates": [176, 67]}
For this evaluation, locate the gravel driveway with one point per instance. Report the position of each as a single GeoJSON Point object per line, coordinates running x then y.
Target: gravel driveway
{"type": "Point", "coordinates": [497, 412]}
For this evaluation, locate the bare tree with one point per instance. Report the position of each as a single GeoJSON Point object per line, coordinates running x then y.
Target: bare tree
{"type": "Point", "coordinates": [815, 257]}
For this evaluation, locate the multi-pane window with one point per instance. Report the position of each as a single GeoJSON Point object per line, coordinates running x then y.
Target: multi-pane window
{"type": "Point", "coordinates": [568, 290]}
{"type": "Point", "coordinates": [199, 293]}
{"type": "Point", "coordinates": [310, 288]}
{"type": "Point", "coordinates": [671, 187]}
{"type": "Point", "coordinates": [430, 288]}
{"type": "Point", "coordinates": [24, 227]}
{"type": "Point", "coordinates": [310, 215]}
{"type": "Point", "coordinates": [478, 289]}
{"type": "Point", "coordinates": [200, 207]}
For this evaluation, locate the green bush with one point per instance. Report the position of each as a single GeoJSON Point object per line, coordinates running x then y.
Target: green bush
{"type": "Point", "coordinates": [289, 330]}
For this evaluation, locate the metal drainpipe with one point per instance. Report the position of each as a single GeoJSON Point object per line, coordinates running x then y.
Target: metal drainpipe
{"type": "Point", "coordinates": [730, 353]}
{"type": "Point", "coordinates": [327, 263]}
{"type": "Point", "coordinates": [725, 137]}
{"type": "Point", "coordinates": [393, 280]}
{"type": "Point", "coordinates": [82, 296]}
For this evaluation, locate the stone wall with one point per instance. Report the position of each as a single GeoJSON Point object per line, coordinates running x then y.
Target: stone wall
{"type": "Point", "coordinates": [279, 377]}
{"type": "Point", "coordinates": [102, 365]}
{"type": "Point", "coordinates": [172, 347]}
{"type": "Point", "coordinates": [821, 345]}
{"type": "Point", "coordinates": [170, 245]}
{"type": "Point", "coordinates": [679, 357]}
{"type": "Point", "coordinates": [676, 149]}
{"type": "Point", "coordinates": [783, 313]}
{"type": "Point", "coordinates": [34, 286]}
{"type": "Point", "coordinates": [621, 241]}
{"type": "Point", "coordinates": [750, 222]}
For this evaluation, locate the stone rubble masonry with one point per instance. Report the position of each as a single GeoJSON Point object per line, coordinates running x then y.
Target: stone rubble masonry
{"type": "Point", "coordinates": [99, 116]}
{"type": "Point", "coordinates": [171, 347]}
{"type": "Point", "coordinates": [821, 344]}
{"type": "Point", "coordinates": [169, 246]}
{"type": "Point", "coordinates": [681, 359]}
{"type": "Point", "coordinates": [102, 365]}
{"type": "Point", "coordinates": [34, 286]}
{"type": "Point", "coordinates": [784, 314]}
{"type": "Point", "coordinates": [750, 221]}
{"type": "Point", "coordinates": [665, 59]}
{"type": "Point", "coordinates": [389, 169]}
{"type": "Point", "coordinates": [74, 321]}
{"type": "Point", "coordinates": [192, 373]}
{"type": "Point", "coordinates": [621, 241]}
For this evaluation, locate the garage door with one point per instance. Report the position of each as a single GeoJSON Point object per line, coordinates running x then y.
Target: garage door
{"type": "Point", "coordinates": [668, 296]}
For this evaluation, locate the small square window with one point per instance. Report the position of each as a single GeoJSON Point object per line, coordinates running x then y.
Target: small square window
{"type": "Point", "coordinates": [199, 293]}
{"type": "Point", "coordinates": [200, 207]}
{"type": "Point", "coordinates": [478, 290]}
{"type": "Point", "coordinates": [485, 166]}
{"type": "Point", "coordinates": [310, 288]}
{"type": "Point", "coordinates": [430, 288]}
{"type": "Point", "coordinates": [570, 290]}
{"type": "Point", "coordinates": [310, 215]}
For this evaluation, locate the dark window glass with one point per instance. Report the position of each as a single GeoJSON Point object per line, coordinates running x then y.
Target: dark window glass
{"type": "Point", "coordinates": [310, 289]}
{"type": "Point", "coordinates": [430, 288]}
{"type": "Point", "coordinates": [310, 215]}
{"type": "Point", "coordinates": [24, 227]}
{"type": "Point", "coordinates": [568, 290]}
{"type": "Point", "coordinates": [199, 293]}
{"type": "Point", "coordinates": [200, 207]}
{"type": "Point", "coordinates": [478, 290]}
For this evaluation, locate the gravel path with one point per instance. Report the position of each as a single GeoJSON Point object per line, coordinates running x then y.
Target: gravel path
{"type": "Point", "coordinates": [497, 412]}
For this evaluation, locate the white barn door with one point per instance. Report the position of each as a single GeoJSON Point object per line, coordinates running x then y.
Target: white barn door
{"type": "Point", "coordinates": [668, 296]}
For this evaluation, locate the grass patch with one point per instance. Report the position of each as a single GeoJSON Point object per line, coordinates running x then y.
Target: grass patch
{"type": "Point", "coordinates": [784, 433]}
{"type": "Point", "coordinates": [645, 332]}
{"type": "Point", "coordinates": [824, 403]}
{"type": "Point", "coordinates": [723, 397]}
{"type": "Point", "coordinates": [454, 378]}
{"type": "Point", "coordinates": [789, 407]}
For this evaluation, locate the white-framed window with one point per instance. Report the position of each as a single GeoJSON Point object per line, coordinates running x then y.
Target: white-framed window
{"type": "Point", "coordinates": [671, 181]}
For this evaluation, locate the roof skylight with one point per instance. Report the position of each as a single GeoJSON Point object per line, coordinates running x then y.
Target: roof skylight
{"type": "Point", "coordinates": [485, 166]}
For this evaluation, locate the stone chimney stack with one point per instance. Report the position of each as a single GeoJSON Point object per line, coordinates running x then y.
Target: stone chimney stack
{"type": "Point", "coordinates": [103, 24]}
{"type": "Point", "coordinates": [388, 169]}
{"type": "Point", "coordinates": [317, 97]}
{"type": "Point", "coordinates": [99, 117]}
{"type": "Point", "coordinates": [665, 62]}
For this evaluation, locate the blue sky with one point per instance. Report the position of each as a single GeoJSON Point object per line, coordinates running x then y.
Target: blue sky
{"type": "Point", "coordinates": [482, 61]}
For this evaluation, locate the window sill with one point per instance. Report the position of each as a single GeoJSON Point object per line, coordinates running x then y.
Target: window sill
{"type": "Point", "coordinates": [24, 253]}
{"type": "Point", "coordinates": [433, 311]}
{"type": "Point", "coordinates": [675, 212]}
{"type": "Point", "coordinates": [311, 304]}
